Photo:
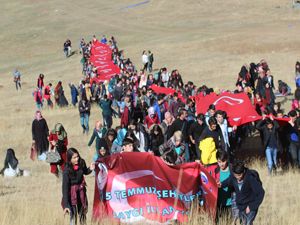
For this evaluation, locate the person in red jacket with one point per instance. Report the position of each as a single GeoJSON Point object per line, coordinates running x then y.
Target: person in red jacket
{"type": "Point", "coordinates": [126, 114]}
{"type": "Point", "coordinates": [58, 139]}
{"type": "Point", "coordinates": [47, 95]}
{"type": "Point", "coordinates": [38, 98]}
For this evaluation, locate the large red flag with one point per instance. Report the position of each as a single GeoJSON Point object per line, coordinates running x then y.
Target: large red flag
{"type": "Point", "coordinates": [167, 91]}
{"type": "Point", "coordinates": [101, 57]}
{"type": "Point", "coordinates": [137, 187]}
{"type": "Point", "coordinates": [237, 106]}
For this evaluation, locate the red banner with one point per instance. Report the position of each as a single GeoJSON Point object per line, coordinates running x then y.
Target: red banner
{"type": "Point", "coordinates": [101, 57]}
{"type": "Point", "coordinates": [140, 187]}
{"type": "Point", "coordinates": [166, 91]}
{"type": "Point", "coordinates": [237, 106]}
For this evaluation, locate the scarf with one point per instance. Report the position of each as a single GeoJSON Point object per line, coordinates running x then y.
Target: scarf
{"type": "Point", "coordinates": [38, 115]}
{"type": "Point", "coordinates": [59, 127]}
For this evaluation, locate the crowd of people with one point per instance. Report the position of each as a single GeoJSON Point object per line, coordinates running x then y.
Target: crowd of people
{"type": "Point", "coordinates": [168, 126]}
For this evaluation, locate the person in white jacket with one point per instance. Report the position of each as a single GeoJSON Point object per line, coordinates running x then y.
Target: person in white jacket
{"type": "Point", "coordinates": [145, 60]}
{"type": "Point", "coordinates": [165, 77]}
{"type": "Point", "coordinates": [223, 124]}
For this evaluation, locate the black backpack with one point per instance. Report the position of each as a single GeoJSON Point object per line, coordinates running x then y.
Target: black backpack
{"type": "Point", "coordinates": [255, 174]}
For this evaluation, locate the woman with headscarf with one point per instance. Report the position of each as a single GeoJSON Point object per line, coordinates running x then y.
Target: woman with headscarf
{"type": "Point", "coordinates": [74, 200]}
{"type": "Point", "coordinates": [59, 95]}
{"type": "Point", "coordinates": [74, 94]}
{"type": "Point", "coordinates": [11, 168]}
{"type": "Point", "coordinates": [151, 118]}
{"type": "Point", "coordinates": [59, 141]}
{"type": "Point", "coordinates": [40, 133]}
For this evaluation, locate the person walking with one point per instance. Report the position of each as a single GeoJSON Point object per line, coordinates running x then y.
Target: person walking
{"type": "Point", "coordinates": [47, 95]}
{"type": "Point", "coordinates": [195, 132]}
{"type": "Point", "coordinates": [84, 107]}
{"type": "Point", "coordinates": [59, 95]}
{"type": "Point", "coordinates": [17, 79]}
{"type": "Point", "coordinates": [40, 133]}
{"type": "Point", "coordinates": [74, 94]}
{"type": "Point", "coordinates": [271, 142]}
{"type": "Point", "coordinates": [181, 124]}
{"type": "Point", "coordinates": [145, 61]}
{"type": "Point", "coordinates": [74, 199]}
{"type": "Point", "coordinates": [40, 82]}
{"type": "Point", "coordinates": [67, 48]}
{"type": "Point", "coordinates": [58, 139]}
{"type": "Point", "coordinates": [38, 98]}
{"type": "Point", "coordinates": [107, 111]}
{"type": "Point", "coordinates": [249, 191]}
{"type": "Point", "coordinates": [99, 132]}
{"type": "Point", "coordinates": [150, 61]}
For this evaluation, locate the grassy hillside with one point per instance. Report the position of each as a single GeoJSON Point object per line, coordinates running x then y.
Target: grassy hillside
{"type": "Point", "coordinates": [207, 41]}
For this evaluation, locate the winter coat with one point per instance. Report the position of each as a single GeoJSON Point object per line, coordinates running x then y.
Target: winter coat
{"type": "Point", "coordinates": [251, 193]}
{"type": "Point", "coordinates": [262, 126]}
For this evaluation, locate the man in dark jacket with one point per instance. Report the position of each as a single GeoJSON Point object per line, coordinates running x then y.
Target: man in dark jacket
{"type": "Point", "coordinates": [118, 91]}
{"type": "Point", "coordinates": [84, 111]}
{"type": "Point", "coordinates": [107, 111]}
{"type": "Point", "coordinates": [269, 130]}
{"type": "Point", "coordinates": [175, 105]}
{"type": "Point", "coordinates": [195, 132]}
{"type": "Point", "coordinates": [179, 124]}
{"type": "Point", "coordinates": [248, 189]}
{"type": "Point", "coordinates": [213, 130]}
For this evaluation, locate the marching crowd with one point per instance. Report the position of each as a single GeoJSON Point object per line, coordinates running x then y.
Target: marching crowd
{"type": "Point", "coordinates": [167, 126]}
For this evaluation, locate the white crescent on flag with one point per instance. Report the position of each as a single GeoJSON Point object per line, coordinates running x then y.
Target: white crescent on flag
{"type": "Point", "coordinates": [229, 100]}
{"type": "Point", "coordinates": [119, 184]}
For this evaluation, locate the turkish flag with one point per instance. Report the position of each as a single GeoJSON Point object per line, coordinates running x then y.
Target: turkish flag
{"type": "Point", "coordinates": [237, 106]}
{"type": "Point", "coordinates": [101, 57]}
{"type": "Point", "coordinates": [166, 91]}
{"type": "Point", "coordinates": [140, 187]}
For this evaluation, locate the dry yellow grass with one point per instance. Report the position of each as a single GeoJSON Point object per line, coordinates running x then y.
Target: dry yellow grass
{"type": "Point", "coordinates": [207, 41]}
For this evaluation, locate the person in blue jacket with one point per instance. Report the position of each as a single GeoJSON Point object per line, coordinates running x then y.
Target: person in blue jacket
{"type": "Point", "coordinates": [74, 94]}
